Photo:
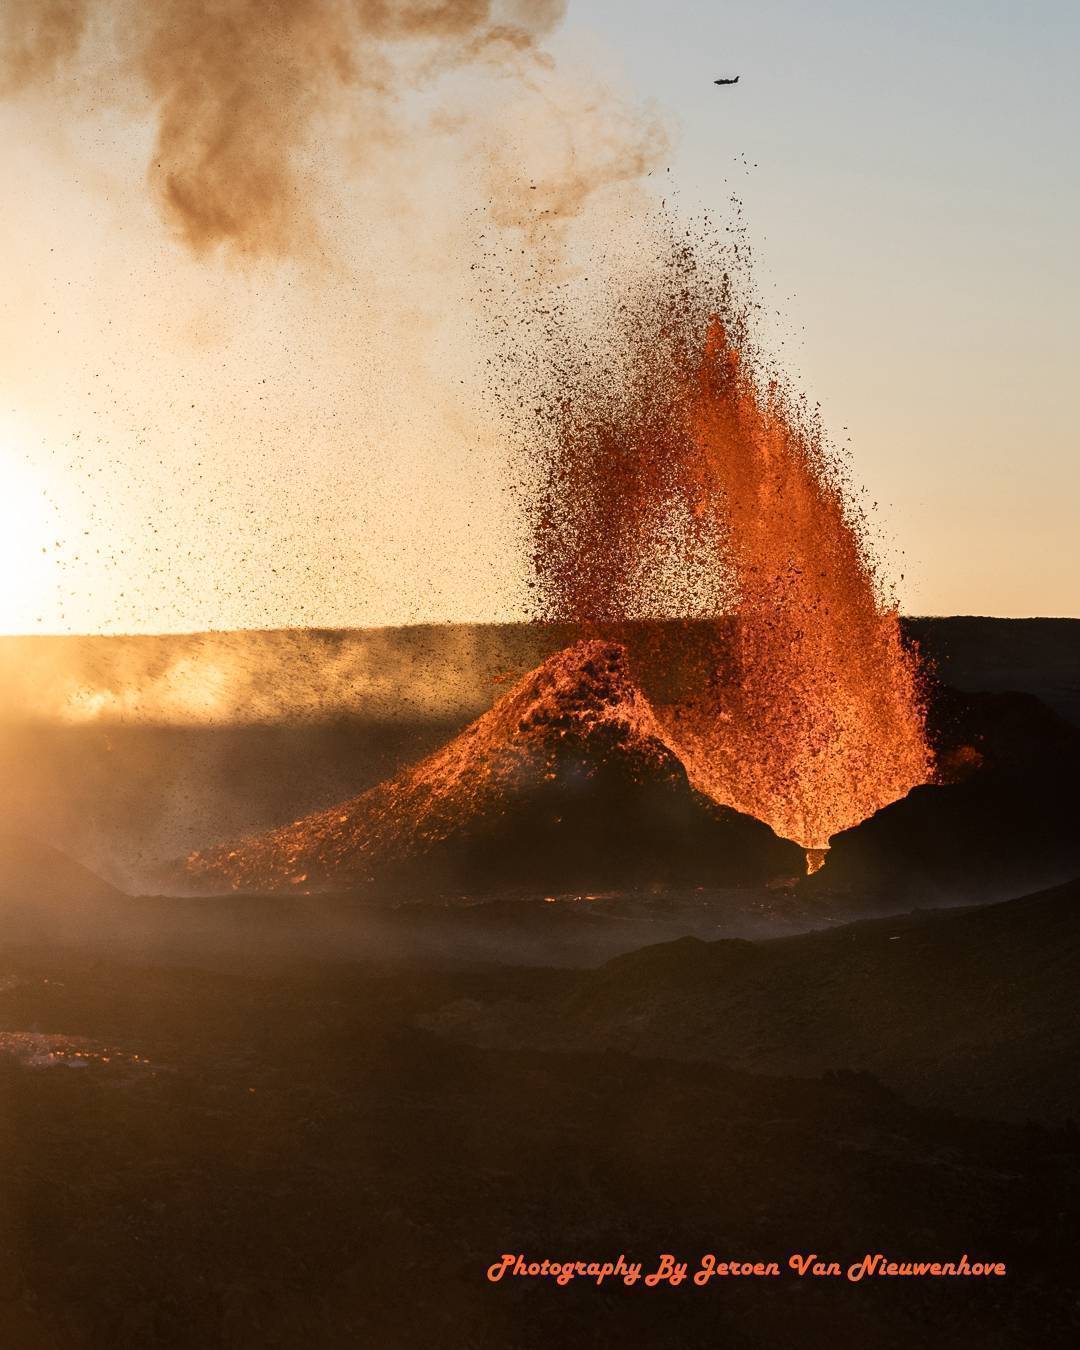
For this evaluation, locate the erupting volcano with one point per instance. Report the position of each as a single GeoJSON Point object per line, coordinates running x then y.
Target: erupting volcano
{"type": "Point", "coordinates": [679, 476]}
{"type": "Point", "coordinates": [672, 479]}
{"type": "Point", "coordinates": [566, 783]}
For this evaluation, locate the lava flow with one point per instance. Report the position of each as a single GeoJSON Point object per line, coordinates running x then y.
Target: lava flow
{"type": "Point", "coordinates": [679, 477]}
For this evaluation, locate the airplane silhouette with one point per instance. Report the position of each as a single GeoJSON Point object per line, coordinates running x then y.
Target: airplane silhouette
{"type": "Point", "coordinates": [734, 81]}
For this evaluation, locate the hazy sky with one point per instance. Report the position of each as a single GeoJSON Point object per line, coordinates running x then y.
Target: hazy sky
{"type": "Point", "coordinates": [186, 444]}
{"type": "Point", "coordinates": [916, 203]}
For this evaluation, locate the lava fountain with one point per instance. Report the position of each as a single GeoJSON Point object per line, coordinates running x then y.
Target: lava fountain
{"type": "Point", "coordinates": [674, 474]}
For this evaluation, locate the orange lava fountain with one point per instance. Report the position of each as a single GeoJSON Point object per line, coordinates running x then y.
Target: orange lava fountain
{"type": "Point", "coordinates": [822, 725]}
{"type": "Point", "coordinates": [676, 478]}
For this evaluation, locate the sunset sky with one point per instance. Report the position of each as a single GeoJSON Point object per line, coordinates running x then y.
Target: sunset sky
{"type": "Point", "coordinates": [189, 442]}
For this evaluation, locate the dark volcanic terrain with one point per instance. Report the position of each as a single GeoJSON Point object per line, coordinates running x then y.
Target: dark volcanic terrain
{"type": "Point", "coordinates": [298, 1121]}
{"type": "Point", "coordinates": [975, 1010]}
{"type": "Point", "coordinates": [197, 1157]}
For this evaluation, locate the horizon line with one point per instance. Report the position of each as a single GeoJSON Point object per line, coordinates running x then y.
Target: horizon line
{"type": "Point", "coordinates": [53, 634]}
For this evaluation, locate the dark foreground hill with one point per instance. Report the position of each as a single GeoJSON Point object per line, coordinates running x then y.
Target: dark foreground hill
{"type": "Point", "coordinates": [977, 1010]}
{"type": "Point", "coordinates": [1001, 822]}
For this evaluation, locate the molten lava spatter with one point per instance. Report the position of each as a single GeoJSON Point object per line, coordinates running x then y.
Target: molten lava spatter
{"type": "Point", "coordinates": [679, 479]}
{"type": "Point", "coordinates": [822, 724]}
{"type": "Point", "coordinates": [815, 860]}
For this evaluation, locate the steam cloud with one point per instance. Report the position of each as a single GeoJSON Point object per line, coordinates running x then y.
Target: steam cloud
{"type": "Point", "coordinates": [237, 86]}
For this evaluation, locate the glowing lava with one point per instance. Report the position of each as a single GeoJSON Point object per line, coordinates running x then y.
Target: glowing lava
{"type": "Point", "coordinates": [815, 860]}
{"type": "Point", "coordinates": [822, 724]}
{"type": "Point", "coordinates": [679, 477]}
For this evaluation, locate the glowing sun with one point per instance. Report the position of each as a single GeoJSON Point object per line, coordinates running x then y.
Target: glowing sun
{"type": "Point", "coordinates": [29, 543]}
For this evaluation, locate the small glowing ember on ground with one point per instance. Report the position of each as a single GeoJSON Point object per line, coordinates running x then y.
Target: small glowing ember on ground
{"type": "Point", "coordinates": [37, 1050]}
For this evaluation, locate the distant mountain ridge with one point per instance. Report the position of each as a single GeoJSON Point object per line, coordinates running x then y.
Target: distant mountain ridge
{"type": "Point", "coordinates": [420, 671]}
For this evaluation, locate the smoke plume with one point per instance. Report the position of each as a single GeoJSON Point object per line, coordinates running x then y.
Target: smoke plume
{"type": "Point", "coordinates": [38, 37]}
{"type": "Point", "coordinates": [237, 87]}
